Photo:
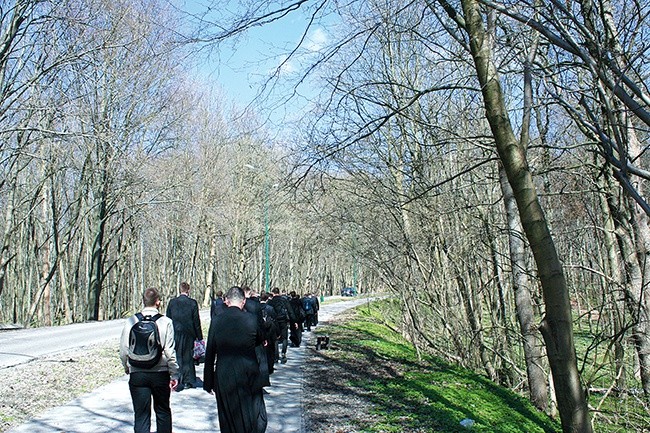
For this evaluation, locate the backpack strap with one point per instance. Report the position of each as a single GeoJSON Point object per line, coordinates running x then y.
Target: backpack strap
{"type": "Point", "coordinates": [141, 316]}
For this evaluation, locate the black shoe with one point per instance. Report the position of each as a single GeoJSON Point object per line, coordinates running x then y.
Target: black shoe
{"type": "Point", "coordinates": [188, 385]}
{"type": "Point", "coordinates": [284, 360]}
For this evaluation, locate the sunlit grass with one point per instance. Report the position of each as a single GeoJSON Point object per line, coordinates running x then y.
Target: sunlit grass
{"type": "Point", "coordinates": [426, 395]}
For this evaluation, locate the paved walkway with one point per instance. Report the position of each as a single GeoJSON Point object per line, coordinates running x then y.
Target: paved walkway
{"type": "Point", "coordinates": [108, 408]}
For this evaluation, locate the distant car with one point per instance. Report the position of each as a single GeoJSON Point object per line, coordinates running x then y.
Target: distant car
{"type": "Point", "coordinates": [348, 291]}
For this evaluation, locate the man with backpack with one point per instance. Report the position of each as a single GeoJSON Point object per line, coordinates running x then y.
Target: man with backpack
{"type": "Point", "coordinates": [310, 305]}
{"type": "Point", "coordinates": [283, 315]}
{"type": "Point", "coordinates": [148, 355]}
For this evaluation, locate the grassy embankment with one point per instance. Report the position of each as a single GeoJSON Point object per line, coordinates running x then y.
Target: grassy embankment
{"type": "Point", "coordinates": [424, 395]}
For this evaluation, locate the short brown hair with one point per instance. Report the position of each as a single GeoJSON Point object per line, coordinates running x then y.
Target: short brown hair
{"type": "Point", "coordinates": [150, 297]}
{"type": "Point", "coordinates": [185, 287]}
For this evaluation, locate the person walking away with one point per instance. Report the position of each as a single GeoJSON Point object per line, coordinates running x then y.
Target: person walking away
{"type": "Point", "coordinates": [295, 326]}
{"type": "Point", "coordinates": [217, 304]}
{"type": "Point", "coordinates": [153, 373]}
{"type": "Point", "coordinates": [309, 305]}
{"type": "Point", "coordinates": [253, 306]}
{"type": "Point", "coordinates": [184, 312]}
{"type": "Point", "coordinates": [233, 379]}
{"type": "Point", "coordinates": [270, 331]}
{"type": "Point", "coordinates": [317, 304]}
{"type": "Point", "coordinates": [283, 315]}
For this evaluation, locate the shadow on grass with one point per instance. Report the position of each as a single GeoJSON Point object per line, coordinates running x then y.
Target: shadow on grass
{"type": "Point", "coordinates": [429, 395]}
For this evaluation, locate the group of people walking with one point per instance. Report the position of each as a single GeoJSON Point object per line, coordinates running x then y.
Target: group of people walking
{"type": "Point", "coordinates": [249, 334]}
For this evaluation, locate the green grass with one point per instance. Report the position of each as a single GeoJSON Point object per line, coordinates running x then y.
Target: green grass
{"type": "Point", "coordinates": [426, 395]}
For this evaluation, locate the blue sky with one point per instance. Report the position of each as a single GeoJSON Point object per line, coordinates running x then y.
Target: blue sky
{"type": "Point", "coordinates": [242, 65]}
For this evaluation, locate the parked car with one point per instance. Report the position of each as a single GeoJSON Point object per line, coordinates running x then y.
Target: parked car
{"type": "Point", "coordinates": [348, 291]}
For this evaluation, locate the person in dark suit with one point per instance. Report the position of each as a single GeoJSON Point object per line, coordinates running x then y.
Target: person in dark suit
{"type": "Point", "coordinates": [184, 312]}
{"type": "Point", "coordinates": [270, 331]}
{"type": "Point", "coordinates": [217, 305]}
{"type": "Point", "coordinates": [234, 379]}
{"type": "Point", "coordinates": [253, 306]}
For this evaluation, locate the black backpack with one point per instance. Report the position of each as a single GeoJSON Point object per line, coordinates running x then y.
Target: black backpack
{"type": "Point", "coordinates": [145, 349]}
{"type": "Point", "coordinates": [308, 305]}
{"type": "Point", "coordinates": [281, 310]}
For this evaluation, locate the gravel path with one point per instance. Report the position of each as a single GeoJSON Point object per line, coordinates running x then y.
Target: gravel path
{"type": "Point", "coordinates": [84, 390]}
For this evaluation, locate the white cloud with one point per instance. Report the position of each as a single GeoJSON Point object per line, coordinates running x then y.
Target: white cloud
{"type": "Point", "coordinates": [316, 40]}
{"type": "Point", "coordinates": [288, 66]}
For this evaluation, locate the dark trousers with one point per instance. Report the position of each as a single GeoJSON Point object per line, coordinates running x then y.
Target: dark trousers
{"type": "Point", "coordinates": [283, 338]}
{"type": "Point", "coordinates": [309, 321]}
{"type": "Point", "coordinates": [144, 386]}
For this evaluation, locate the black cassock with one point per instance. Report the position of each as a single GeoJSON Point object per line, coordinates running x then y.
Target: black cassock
{"type": "Point", "coordinates": [235, 380]}
{"type": "Point", "coordinates": [184, 312]}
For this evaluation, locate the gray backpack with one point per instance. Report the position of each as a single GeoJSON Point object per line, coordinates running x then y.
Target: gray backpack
{"type": "Point", "coordinates": [145, 349]}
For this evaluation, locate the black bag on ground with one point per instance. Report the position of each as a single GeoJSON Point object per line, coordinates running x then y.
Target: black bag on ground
{"type": "Point", "coordinates": [145, 349]}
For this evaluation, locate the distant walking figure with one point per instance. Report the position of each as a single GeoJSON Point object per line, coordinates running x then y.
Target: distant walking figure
{"type": "Point", "coordinates": [184, 312]}
{"type": "Point", "coordinates": [152, 368]}
{"type": "Point", "coordinates": [217, 305]}
{"type": "Point", "coordinates": [295, 325]}
{"type": "Point", "coordinates": [234, 379]}
{"type": "Point", "coordinates": [310, 305]}
{"type": "Point", "coordinates": [283, 315]}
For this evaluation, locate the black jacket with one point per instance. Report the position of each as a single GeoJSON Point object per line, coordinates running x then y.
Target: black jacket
{"type": "Point", "coordinates": [184, 312]}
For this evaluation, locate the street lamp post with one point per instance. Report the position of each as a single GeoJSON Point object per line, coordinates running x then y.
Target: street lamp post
{"type": "Point", "coordinates": [267, 247]}
{"type": "Point", "coordinates": [267, 235]}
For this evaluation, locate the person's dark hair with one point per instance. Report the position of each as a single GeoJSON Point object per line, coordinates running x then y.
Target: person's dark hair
{"type": "Point", "coordinates": [150, 297]}
{"type": "Point", "coordinates": [219, 293]}
{"type": "Point", "coordinates": [264, 297]}
{"type": "Point", "coordinates": [275, 291]}
{"type": "Point", "coordinates": [235, 295]}
{"type": "Point", "coordinates": [185, 287]}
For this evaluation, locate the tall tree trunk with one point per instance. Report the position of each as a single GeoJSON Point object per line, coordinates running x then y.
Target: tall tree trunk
{"type": "Point", "coordinates": [97, 259]}
{"type": "Point", "coordinates": [556, 326]}
{"type": "Point", "coordinates": [210, 288]}
{"type": "Point", "coordinates": [615, 268]}
{"type": "Point", "coordinates": [523, 299]}
{"type": "Point", "coordinates": [5, 253]}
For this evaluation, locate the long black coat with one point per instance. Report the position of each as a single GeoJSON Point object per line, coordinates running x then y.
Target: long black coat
{"type": "Point", "coordinates": [184, 312]}
{"type": "Point", "coordinates": [254, 307]}
{"type": "Point", "coordinates": [234, 378]}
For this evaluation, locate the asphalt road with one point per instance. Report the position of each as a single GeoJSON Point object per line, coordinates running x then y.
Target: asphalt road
{"type": "Point", "coordinates": [18, 346]}
{"type": "Point", "coordinates": [108, 408]}
{"type": "Point", "coordinates": [24, 345]}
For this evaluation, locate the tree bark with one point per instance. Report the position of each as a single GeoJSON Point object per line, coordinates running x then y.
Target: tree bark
{"type": "Point", "coordinates": [523, 299]}
{"type": "Point", "coordinates": [556, 327]}
{"type": "Point", "coordinates": [97, 259]}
